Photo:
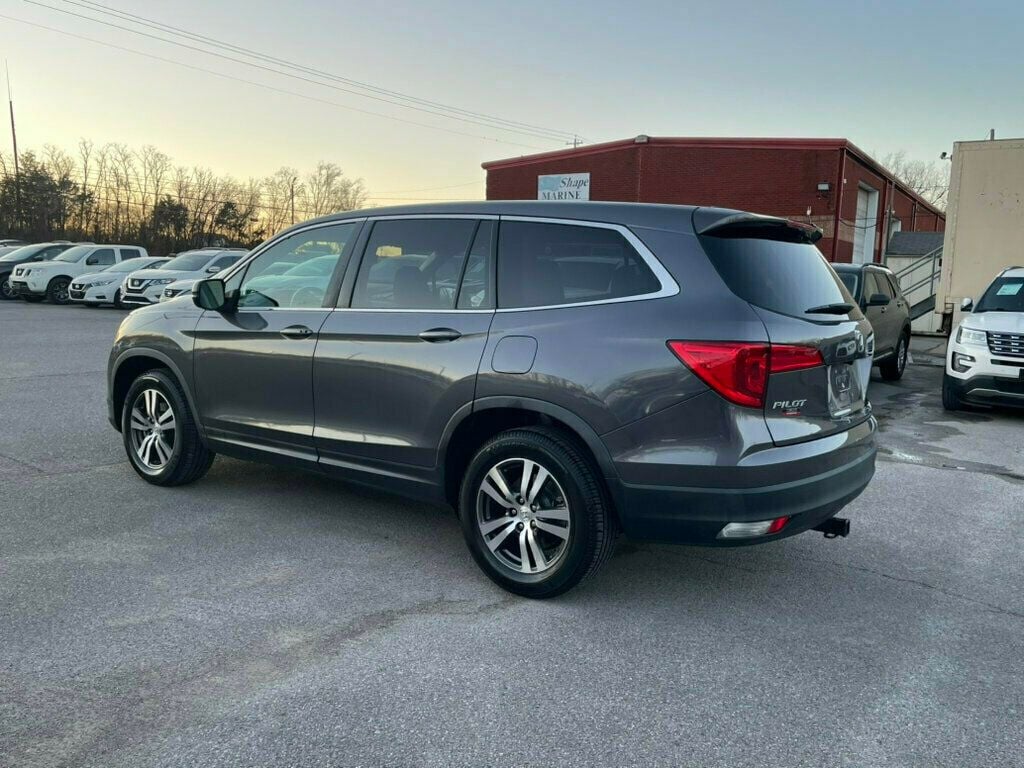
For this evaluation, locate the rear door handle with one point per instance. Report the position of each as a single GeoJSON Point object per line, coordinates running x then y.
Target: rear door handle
{"type": "Point", "coordinates": [440, 334]}
{"type": "Point", "coordinates": [296, 332]}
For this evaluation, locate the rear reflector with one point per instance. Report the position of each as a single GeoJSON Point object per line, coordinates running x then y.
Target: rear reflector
{"type": "Point", "coordinates": [753, 530]}
{"type": "Point", "coordinates": [738, 371]}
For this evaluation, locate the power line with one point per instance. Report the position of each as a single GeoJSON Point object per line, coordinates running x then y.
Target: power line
{"type": "Point", "coordinates": [178, 31]}
{"type": "Point", "coordinates": [264, 85]}
{"type": "Point", "coordinates": [532, 133]}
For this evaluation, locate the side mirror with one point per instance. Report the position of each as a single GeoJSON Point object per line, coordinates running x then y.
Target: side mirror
{"type": "Point", "coordinates": [967, 305]}
{"type": "Point", "coordinates": [92, 261]}
{"type": "Point", "coordinates": [209, 294]}
{"type": "Point", "coordinates": [878, 300]}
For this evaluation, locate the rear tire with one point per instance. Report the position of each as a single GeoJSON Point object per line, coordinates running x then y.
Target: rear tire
{"type": "Point", "coordinates": [57, 290]}
{"type": "Point", "coordinates": [6, 292]}
{"type": "Point", "coordinates": [543, 542]}
{"type": "Point", "coordinates": [950, 399]}
{"type": "Point", "coordinates": [893, 368]}
{"type": "Point", "coordinates": [160, 434]}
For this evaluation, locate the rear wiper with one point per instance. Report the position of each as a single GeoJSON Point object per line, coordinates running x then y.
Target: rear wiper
{"type": "Point", "coordinates": [829, 309]}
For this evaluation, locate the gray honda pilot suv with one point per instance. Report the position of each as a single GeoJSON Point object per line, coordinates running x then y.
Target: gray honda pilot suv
{"type": "Point", "coordinates": [556, 372]}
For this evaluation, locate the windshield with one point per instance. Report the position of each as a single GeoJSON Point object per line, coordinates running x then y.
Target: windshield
{"type": "Point", "coordinates": [190, 262]}
{"type": "Point", "coordinates": [850, 280]}
{"type": "Point", "coordinates": [321, 265]}
{"type": "Point", "coordinates": [790, 278]}
{"type": "Point", "coordinates": [129, 265]}
{"type": "Point", "coordinates": [75, 253]}
{"type": "Point", "coordinates": [1006, 294]}
{"type": "Point", "coordinates": [20, 254]}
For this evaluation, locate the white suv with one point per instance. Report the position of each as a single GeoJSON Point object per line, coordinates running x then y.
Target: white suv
{"type": "Point", "coordinates": [985, 359]}
{"type": "Point", "coordinates": [52, 279]}
{"type": "Point", "coordinates": [104, 286]}
{"type": "Point", "coordinates": [139, 289]}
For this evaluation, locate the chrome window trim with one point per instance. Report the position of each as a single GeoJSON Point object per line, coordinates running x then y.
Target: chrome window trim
{"type": "Point", "coordinates": [669, 287]}
{"type": "Point", "coordinates": [470, 216]}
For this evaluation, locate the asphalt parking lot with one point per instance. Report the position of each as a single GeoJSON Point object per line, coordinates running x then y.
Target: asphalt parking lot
{"type": "Point", "coordinates": [268, 617]}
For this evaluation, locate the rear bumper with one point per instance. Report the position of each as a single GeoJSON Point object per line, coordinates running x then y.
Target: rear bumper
{"type": "Point", "coordinates": [823, 476]}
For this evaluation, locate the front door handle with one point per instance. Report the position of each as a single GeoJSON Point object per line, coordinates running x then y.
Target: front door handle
{"type": "Point", "coordinates": [296, 332]}
{"type": "Point", "coordinates": [440, 334]}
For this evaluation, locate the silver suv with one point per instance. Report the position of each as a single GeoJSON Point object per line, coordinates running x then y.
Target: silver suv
{"type": "Point", "coordinates": [555, 372]}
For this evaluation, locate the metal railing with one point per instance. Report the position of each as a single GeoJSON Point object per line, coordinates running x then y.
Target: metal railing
{"type": "Point", "coordinates": [921, 277]}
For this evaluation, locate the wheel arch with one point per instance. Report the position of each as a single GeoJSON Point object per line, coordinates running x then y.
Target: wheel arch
{"type": "Point", "coordinates": [131, 364]}
{"type": "Point", "coordinates": [475, 423]}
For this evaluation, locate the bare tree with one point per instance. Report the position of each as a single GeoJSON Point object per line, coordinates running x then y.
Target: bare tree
{"type": "Point", "coordinates": [929, 179]}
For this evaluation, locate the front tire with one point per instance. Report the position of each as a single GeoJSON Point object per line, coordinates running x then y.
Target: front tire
{"type": "Point", "coordinates": [950, 399]}
{"type": "Point", "coordinates": [117, 299]}
{"type": "Point", "coordinates": [893, 368]}
{"type": "Point", "coordinates": [160, 434]}
{"type": "Point", "coordinates": [57, 290]}
{"type": "Point", "coordinates": [6, 292]}
{"type": "Point", "coordinates": [535, 513]}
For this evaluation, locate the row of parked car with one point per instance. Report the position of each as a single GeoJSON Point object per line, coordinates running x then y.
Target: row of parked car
{"type": "Point", "coordinates": [97, 274]}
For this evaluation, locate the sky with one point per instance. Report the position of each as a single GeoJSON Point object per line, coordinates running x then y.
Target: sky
{"type": "Point", "coordinates": [889, 76]}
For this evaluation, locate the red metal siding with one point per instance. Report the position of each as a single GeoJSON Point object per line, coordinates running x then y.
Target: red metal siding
{"type": "Point", "coordinates": [777, 180]}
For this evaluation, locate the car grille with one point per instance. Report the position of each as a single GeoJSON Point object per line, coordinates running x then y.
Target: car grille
{"type": "Point", "coordinates": [1006, 344]}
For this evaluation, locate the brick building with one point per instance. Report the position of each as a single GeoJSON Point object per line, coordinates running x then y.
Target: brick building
{"type": "Point", "coordinates": [828, 182]}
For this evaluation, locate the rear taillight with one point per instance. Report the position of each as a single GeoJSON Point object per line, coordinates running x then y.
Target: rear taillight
{"type": "Point", "coordinates": [739, 371]}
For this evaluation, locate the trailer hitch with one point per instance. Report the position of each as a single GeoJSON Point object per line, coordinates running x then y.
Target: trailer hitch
{"type": "Point", "coordinates": [833, 527]}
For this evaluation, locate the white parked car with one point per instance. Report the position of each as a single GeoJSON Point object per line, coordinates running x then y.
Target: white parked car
{"type": "Point", "coordinates": [52, 279]}
{"type": "Point", "coordinates": [148, 288]}
{"type": "Point", "coordinates": [985, 357]}
{"type": "Point", "coordinates": [177, 288]}
{"type": "Point", "coordinates": [104, 286]}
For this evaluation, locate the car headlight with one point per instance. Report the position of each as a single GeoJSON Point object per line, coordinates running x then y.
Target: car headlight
{"type": "Point", "coordinates": [98, 283]}
{"type": "Point", "coordinates": [164, 281]}
{"type": "Point", "coordinates": [971, 336]}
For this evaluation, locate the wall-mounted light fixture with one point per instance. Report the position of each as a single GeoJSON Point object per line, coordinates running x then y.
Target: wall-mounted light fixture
{"type": "Point", "coordinates": [824, 189]}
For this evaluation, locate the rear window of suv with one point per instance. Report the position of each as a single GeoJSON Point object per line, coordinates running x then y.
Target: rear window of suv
{"type": "Point", "coordinates": [789, 278]}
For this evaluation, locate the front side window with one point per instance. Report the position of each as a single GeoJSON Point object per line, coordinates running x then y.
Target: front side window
{"type": "Point", "coordinates": [883, 284]}
{"type": "Point", "coordinates": [414, 264]}
{"type": "Point", "coordinates": [321, 251]}
{"type": "Point", "coordinates": [543, 264]}
{"type": "Point", "coordinates": [102, 257]}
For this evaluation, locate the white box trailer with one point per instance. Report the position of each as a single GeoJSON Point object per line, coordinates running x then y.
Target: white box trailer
{"type": "Point", "coordinates": [984, 221]}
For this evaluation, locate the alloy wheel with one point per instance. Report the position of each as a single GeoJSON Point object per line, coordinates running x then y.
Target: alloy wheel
{"type": "Point", "coordinates": [523, 516]}
{"type": "Point", "coordinates": [5, 289]}
{"type": "Point", "coordinates": [901, 355]}
{"type": "Point", "coordinates": [153, 429]}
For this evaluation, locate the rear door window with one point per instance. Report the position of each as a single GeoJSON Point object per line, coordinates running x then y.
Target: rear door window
{"type": "Point", "coordinates": [543, 264]}
{"type": "Point", "coordinates": [789, 278]}
{"type": "Point", "coordinates": [130, 253]}
{"type": "Point", "coordinates": [882, 282]}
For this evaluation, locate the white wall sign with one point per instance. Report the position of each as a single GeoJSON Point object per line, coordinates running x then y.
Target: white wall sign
{"type": "Point", "coordinates": [564, 186]}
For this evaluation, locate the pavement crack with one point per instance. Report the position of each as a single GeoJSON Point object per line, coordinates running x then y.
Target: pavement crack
{"type": "Point", "coordinates": [891, 456]}
{"type": "Point", "coordinates": [923, 584]}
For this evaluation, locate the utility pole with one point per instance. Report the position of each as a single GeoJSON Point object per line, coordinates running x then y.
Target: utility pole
{"type": "Point", "coordinates": [576, 141]}
{"type": "Point", "coordinates": [292, 188]}
{"type": "Point", "coordinates": [14, 140]}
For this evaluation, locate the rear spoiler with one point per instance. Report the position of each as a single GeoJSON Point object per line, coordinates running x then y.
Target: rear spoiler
{"type": "Point", "coordinates": [722, 222]}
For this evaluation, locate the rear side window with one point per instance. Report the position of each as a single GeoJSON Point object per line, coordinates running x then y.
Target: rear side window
{"type": "Point", "coordinates": [414, 264]}
{"type": "Point", "coordinates": [789, 278]}
{"type": "Point", "coordinates": [542, 264]}
{"type": "Point", "coordinates": [130, 253]}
